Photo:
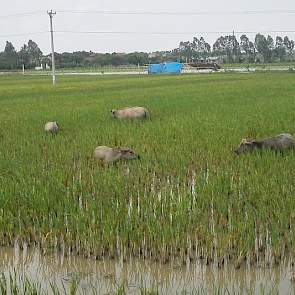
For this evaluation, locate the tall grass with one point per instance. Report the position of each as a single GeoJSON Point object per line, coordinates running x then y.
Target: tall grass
{"type": "Point", "coordinates": [188, 197]}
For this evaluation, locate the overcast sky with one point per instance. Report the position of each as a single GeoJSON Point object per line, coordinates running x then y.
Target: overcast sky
{"type": "Point", "coordinates": [136, 23]}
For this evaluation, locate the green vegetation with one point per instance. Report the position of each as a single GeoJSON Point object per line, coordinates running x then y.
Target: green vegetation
{"type": "Point", "coordinates": [188, 197]}
{"type": "Point", "coordinates": [226, 49]}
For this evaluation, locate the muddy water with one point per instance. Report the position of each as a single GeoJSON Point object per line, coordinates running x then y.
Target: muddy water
{"type": "Point", "coordinates": [106, 276]}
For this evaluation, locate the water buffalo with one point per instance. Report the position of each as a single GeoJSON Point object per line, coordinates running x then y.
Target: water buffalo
{"type": "Point", "coordinates": [108, 154]}
{"type": "Point", "coordinates": [130, 113]}
{"type": "Point", "coordinates": [278, 142]}
{"type": "Point", "coordinates": [51, 127]}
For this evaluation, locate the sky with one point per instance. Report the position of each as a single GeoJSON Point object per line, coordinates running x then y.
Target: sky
{"type": "Point", "coordinates": [20, 28]}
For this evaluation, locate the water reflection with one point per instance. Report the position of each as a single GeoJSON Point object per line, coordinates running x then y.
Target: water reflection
{"type": "Point", "coordinates": [107, 276]}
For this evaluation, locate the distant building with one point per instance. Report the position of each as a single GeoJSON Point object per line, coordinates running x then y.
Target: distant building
{"type": "Point", "coordinates": [216, 59]}
{"type": "Point", "coordinates": [165, 68]}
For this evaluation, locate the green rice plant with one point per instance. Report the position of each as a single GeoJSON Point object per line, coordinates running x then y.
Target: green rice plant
{"type": "Point", "coordinates": [188, 197]}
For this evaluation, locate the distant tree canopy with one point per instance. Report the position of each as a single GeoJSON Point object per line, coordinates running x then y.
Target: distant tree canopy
{"type": "Point", "coordinates": [9, 57]}
{"type": "Point", "coordinates": [227, 49]}
{"type": "Point", "coordinates": [29, 55]}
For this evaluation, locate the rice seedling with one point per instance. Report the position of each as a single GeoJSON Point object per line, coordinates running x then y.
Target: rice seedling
{"type": "Point", "coordinates": [188, 197]}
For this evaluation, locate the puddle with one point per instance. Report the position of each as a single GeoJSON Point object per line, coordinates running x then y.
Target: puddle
{"type": "Point", "coordinates": [108, 276]}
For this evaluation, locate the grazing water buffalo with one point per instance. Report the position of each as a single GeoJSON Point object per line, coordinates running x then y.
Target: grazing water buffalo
{"type": "Point", "coordinates": [51, 127]}
{"type": "Point", "coordinates": [130, 113]}
{"type": "Point", "coordinates": [108, 154]}
{"type": "Point", "coordinates": [278, 142]}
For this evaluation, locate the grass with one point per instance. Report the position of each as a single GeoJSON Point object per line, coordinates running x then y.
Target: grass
{"type": "Point", "coordinates": [188, 197]}
{"type": "Point", "coordinates": [261, 66]}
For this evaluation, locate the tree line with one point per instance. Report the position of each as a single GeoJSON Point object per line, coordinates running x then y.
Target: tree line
{"type": "Point", "coordinates": [226, 49]}
{"type": "Point", "coordinates": [29, 55]}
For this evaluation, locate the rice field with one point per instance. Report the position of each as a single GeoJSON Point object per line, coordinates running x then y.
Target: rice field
{"type": "Point", "coordinates": [189, 197]}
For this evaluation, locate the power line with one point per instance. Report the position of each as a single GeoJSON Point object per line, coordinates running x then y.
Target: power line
{"type": "Point", "coordinates": [146, 33]}
{"type": "Point", "coordinates": [209, 12]}
{"type": "Point", "coordinates": [142, 12]}
{"type": "Point", "coordinates": [22, 14]}
{"type": "Point", "coordinates": [169, 33]}
{"type": "Point", "coordinates": [23, 34]}
{"type": "Point", "coordinates": [155, 13]}
{"type": "Point", "coordinates": [137, 33]}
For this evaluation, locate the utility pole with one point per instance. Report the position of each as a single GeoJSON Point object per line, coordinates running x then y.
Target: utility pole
{"type": "Point", "coordinates": [51, 14]}
{"type": "Point", "coordinates": [233, 45]}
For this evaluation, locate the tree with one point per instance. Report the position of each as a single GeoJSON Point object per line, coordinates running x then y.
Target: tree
{"type": "Point", "coordinates": [219, 47]}
{"type": "Point", "coordinates": [280, 49]}
{"type": "Point", "coordinates": [261, 46]}
{"type": "Point", "coordinates": [252, 52]}
{"type": "Point", "coordinates": [9, 49]}
{"type": "Point", "coordinates": [229, 46]}
{"type": "Point", "coordinates": [247, 49]}
{"type": "Point", "coordinates": [186, 50]}
{"type": "Point", "coordinates": [289, 45]}
{"type": "Point", "coordinates": [235, 48]}
{"type": "Point", "coordinates": [201, 48]}
{"type": "Point", "coordinates": [136, 58]}
{"type": "Point", "coordinates": [245, 45]}
{"type": "Point", "coordinates": [34, 52]}
{"type": "Point", "coordinates": [30, 55]}
{"type": "Point", "coordinates": [270, 48]}
{"type": "Point", "coordinates": [24, 56]}
{"type": "Point", "coordinates": [9, 58]}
